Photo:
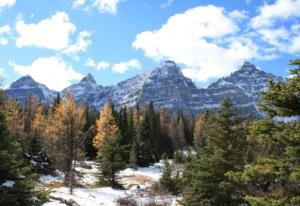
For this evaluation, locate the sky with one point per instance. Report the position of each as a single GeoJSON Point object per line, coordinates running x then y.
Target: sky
{"type": "Point", "coordinates": [58, 42]}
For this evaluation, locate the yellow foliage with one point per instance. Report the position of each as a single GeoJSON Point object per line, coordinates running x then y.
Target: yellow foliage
{"type": "Point", "coordinates": [199, 129]}
{"type": "Point", "coordinates": [13, 117]}
{"type": "Point", "coordinates": [106, 126]}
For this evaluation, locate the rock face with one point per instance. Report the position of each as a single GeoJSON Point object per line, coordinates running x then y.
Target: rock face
{"type": "Point", "coordinates": [85, 90]}
{"type": "Point", "coordinates": [20, 89]}
{"type": "Point", "coordinates": [165, 86]}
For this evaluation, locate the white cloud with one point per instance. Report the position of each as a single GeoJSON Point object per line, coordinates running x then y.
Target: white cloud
{"type": "Point", "coordinates": [78, 3]}
{"type": "Point", "coordinates": [102, 65]}
{"type": "Point", "coordinates": [281, 9]}
{"type": "Point", "coordinates": [122, 67]}
{"type": "Point", "coordinates": [106, 6]}
{"type": "Point", "coordinates": [7, 3]}
{"type": "Point", "coordinates": [51, 71]}
{"type": "Point", "coordinates": [276, 25]}
{"type": "Point", "coordinates": [103, 6]}
{"type": "Point", "coordinates": [167, 4]}
{"type": "Point", "coordinates": [4, 30]}
{"type": "Point", "coordinates": [52, 33]}
{"type": "Point", "coordinates": [238, 15]}
{"type": "Point", "coordinates": [203, 39]}
{"type": "Point", "coordinates": [81, 43]}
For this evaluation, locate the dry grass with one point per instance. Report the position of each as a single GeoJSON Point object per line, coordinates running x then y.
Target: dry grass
{"type": "Point", "coordinates": [54, 185]}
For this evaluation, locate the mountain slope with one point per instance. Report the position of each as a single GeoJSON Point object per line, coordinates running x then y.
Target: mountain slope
{"type": "Point", "coordinates": [165, 86]}
{"type": "Point", "coordinates": [25, 85]}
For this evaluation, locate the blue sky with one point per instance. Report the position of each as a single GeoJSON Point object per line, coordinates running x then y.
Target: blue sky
{"type": "Point", "coordinates": [58, 42]}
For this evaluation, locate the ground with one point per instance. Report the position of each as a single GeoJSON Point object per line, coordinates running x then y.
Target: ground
{"type": "Point", "coordinates": [88, 193]}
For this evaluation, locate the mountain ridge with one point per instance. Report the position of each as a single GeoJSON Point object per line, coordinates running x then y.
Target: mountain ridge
{"type": "Point", "coordinates": [166, 86]}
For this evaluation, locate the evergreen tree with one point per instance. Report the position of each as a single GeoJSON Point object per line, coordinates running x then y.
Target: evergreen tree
{"type": "Point", "coordinates": [17, 183]}
{"type": "Point", "coordinates": [166, 180]}
{"type": "Point", "coordinates": [90, 132]}
{"type": "Point", "coordinates": [107, 141]}
{"type": "Point", "coordinates": [273, 177]}
{"type": "Point", "coordinates": [165, 140]}
{"type": "Point", "coordinates": [134, 141]}
{"type": "Point", "coordinates": [205, 178]}
{"type": "Point", "coordinates": [176, 131]}
{"type": "Point", "coordinates": [125, 136]}
{"type": "Point", "coordinates": [149, 142]}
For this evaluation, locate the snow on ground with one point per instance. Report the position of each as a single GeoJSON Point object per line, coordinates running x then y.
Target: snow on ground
{"type": "Point", "coordinates": [135, 182]}
{"type": "Point", "coordinates": [8, 183]}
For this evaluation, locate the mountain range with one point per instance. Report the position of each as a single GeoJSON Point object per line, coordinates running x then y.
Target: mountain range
{"type": "Point", "coordinates": [165, 86]}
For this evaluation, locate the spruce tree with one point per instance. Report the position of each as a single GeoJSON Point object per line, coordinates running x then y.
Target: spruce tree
{"type": "Point", "coordinates": [166, 180]}
{"type": "Point", "coordinates": [273, 177]}
{"type": "Point", "coordinates": [205, 178]}
{"type": "Point", "coordinates": [17, 182]}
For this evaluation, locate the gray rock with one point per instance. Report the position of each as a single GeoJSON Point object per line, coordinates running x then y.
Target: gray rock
{"type": "Point", "coordinates": [166, 87]}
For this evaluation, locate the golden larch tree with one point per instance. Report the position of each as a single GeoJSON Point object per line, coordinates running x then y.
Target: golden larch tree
{"type": "Point", "coordinates": [106, 126]}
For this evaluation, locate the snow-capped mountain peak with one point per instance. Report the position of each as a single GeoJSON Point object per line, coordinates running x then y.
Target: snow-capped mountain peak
{"type": "Point", "coordinates": [89, 79]}
{"type": "Point", "coordinates": [166, 87]}
{"type": "Point", "coordinates": [26, 84]}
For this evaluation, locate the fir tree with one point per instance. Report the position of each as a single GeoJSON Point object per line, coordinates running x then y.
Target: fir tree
{"type": "Point", "coordinates": [205, 178]}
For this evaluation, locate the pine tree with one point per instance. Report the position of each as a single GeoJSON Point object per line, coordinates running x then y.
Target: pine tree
{"type": "Point", "coordinates": [107, 141]}
{"type": "Point", "coordinates": [205, 178]}
{"type": "Point", "coordinates": [17, 183]}
{"type": "Point", "coordinates": [273, 177]}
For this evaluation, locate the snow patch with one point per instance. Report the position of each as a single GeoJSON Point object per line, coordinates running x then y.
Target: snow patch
{"type": "Point", "coordinates": [8, 183]}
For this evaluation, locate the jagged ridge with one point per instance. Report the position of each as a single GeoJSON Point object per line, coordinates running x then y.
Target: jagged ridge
{"type": "Point", "coordinates": [166, 86]}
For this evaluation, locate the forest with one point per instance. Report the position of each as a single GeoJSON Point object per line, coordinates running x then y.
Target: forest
{"type": "Point", "coordinates": [228, 158]}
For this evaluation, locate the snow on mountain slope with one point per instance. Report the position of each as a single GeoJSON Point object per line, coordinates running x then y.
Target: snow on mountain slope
{"type": "Point", "coordinates": [165, 86]}
{"type": "Point", "coordinates": [25, 85]}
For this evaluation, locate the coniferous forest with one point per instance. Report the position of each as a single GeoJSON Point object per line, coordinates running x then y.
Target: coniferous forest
{"type": "Point", "coordinates": [225, 158]}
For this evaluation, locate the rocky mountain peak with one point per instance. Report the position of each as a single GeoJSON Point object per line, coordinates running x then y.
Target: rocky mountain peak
{"type": "Point", "coordinates": [248, 67]}
{"type": "Point", "coordinates": [26, 81]}
{"type": "Point", "coordinates": [167, 68]}
{"type": "Point", "coordinates": [166, 86]}
{"type": "Point", "coordinates": [89, 79]}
